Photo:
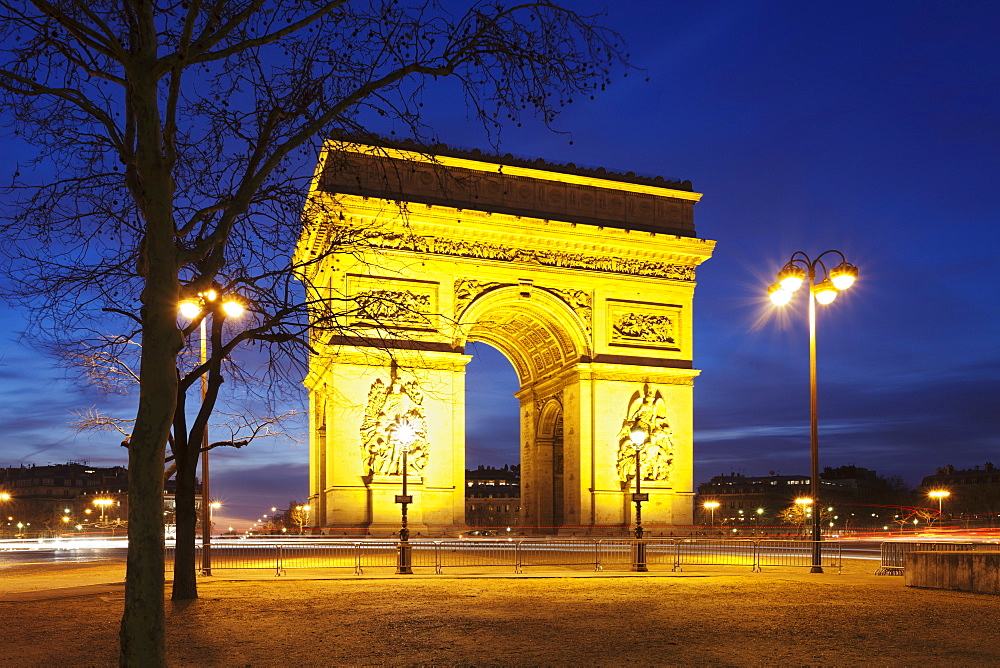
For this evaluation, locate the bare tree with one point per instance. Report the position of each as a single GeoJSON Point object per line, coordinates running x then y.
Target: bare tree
{"type": "Point", "coordinates": [298, 514]}
{"type": "Point", "coordinates": [799, 515]}
{"type": "Point", "coordinates": [171, 144]}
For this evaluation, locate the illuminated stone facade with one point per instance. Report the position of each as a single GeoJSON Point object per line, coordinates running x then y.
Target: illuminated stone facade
{"type": "Point", "coordinates": [584, 280]}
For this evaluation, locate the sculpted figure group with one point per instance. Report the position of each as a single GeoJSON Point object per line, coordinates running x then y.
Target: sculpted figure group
{"type": "Point", "coordinates": [656, 454]}
{"type": "Point", "coordinates": [394, 412]}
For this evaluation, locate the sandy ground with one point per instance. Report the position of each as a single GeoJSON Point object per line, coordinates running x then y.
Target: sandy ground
{"type": "Point", "coordinates": [68, 615]}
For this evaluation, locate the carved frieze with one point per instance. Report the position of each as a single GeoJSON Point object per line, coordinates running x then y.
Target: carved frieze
{"type": "Point", "coordinates": [392, 303]}
{"type": "Point", "coordinates": [394, 417]}
{"type": "Point", "coordinates": [644, 325]}
{"type": "Point", "coordinates": [656, 453]}
{"type": "Point", "coordinates": [540, 257]}
{"type": "Point", "coordinates": [393, 306]}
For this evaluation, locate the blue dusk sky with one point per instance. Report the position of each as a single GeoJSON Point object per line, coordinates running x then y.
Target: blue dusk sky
{"type": "Point", "coordinates": [868, 127]}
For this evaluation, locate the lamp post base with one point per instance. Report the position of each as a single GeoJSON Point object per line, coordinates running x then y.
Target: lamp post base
{"type": "Point", "coordinates": [639, 552]}
{"type": "Point", "coordinates": [403, 562]}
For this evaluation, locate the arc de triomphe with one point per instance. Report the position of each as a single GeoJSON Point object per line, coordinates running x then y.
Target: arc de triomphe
{"type": "Point", "coordinates": [583, 279]}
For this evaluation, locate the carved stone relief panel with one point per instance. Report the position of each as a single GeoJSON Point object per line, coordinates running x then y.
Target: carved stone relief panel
{"type": "Point", "coordinates": [392, 303]}
{"type": "Point", "coordinates": [394, 418]}
{"type": "Point", "coordinates": [656, 453]}
{"type": "Point", "coordinates": [644, 325]}
{"type": "Point", "coordinates": [485, 250]}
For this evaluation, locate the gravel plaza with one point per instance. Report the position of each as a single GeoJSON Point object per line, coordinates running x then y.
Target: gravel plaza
{"type": "Point", "coordinates": [68, 615]}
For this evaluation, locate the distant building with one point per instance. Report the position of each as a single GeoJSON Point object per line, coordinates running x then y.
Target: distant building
{"type": "Point", "coordinates": [974, 491]}
{"type": "Point", "coordinates": [749, 502]}
{"type": "Point", "coordinates": [57, 498]}
{"type": "Point", "coordinates": [950, 477]}
{"type": "Point", "coordinates": [493, 497]}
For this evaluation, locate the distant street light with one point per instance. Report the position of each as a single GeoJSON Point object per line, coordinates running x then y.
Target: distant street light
{"type": "Point", "coordinates": [940, 495]}
{"type": "Point", "coordinates": [805, 505]}
{"type": "Point", "coordinates": [711, 506]}
{"type": "Point", "coordinates": [301, 516]}
{"type": "Point", "coordinates": [212, 507]}
{"type": "Point", "coordinates": [790, 278]}
{"type": "Point", "coordinates": [404, 434]}
{"type": "Point", "coordinates": [638, 437]}
{"type": "Point", "coordinates": [191, 309]}
{"type": "Point", "coordinates": [102, 504]}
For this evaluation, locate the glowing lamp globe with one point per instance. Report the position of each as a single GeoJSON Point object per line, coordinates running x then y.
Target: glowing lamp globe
{"type": "Point", "coordinates": [825, 292]}
{"type": "Point", "coordinates": [844, 275]}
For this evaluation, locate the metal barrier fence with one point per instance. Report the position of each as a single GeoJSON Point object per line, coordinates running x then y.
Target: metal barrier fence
{"type": "Point", "coordinates": [519, 554]}
{"type": "Point", "coordinates": [894, 553]}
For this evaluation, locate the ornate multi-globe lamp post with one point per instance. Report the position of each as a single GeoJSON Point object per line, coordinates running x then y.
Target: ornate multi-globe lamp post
{"type": "Point", "coordinates": [207, 302]}
{"type": "Point", "coordinates": [405, 434]}
{"type": "Point", "coordinates": [797, 271]}
{"type": "Point", "coordinates": [638, 437]}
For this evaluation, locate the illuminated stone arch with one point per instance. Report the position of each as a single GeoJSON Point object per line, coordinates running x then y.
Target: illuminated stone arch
{"type": "Point", "coordinates": [584, 281]}
{"type": "Point", "coordinates": [538, 332]}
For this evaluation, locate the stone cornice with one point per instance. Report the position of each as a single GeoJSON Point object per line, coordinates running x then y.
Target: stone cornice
{"type": "Point", "coordinates": [459, 233]}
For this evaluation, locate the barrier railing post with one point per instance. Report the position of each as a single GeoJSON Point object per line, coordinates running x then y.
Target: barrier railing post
{"type": "Point", "coordinates": [888, 558]}
{"type": "Point", "coordinates": [277, 561]}
{"type": "Point", "coordinates": [677, 557]}
{"type": "Point", "coordinates": [437, 557]}
{"type": "Point", "coordinates": [357, 563]}
{"type": "Point", "coordinates": [517, 557]}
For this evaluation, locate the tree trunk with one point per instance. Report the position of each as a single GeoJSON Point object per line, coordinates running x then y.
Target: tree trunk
{"type": "Point", "coordinates": [185, 568]}
{"type": "Point", "coordinates": [142, 627]}
{"type": "Point", "coordinates": [142, 634]}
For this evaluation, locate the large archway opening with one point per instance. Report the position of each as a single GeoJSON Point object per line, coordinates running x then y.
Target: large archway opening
{"type": "Point", "coordinates": [492, 442]}
{"type": "Point", "coordinates": [542, 337]}
{"type": "Point", "coordinates": [492, 431]}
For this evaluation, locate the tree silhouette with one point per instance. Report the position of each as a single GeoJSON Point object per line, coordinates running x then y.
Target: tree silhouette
{"type": "Point", "coordinates": [170, 143]}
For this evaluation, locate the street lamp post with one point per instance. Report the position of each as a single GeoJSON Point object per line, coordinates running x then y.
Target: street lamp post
{"type": "Point", "coordinates": [301, 516]}
{"type": "Point", "coordinates": [711, 506]}
{"type": "Point", "coordinates": [212, 507]}
{"type": "Point", "coordinates": [208, 301]}
{"type": "Point", "coordinates": [102, 504]}
{"type": "Point", "coordinates": [790, 278]}
{"type": "Point", "coordinates": [939, 494]}
{"type": "Point", "coordinates": [805, 504]}
{"type": "Point", "coordinates": [405, 434]}
{"type": "Point", "coordinates": [638, 436]}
